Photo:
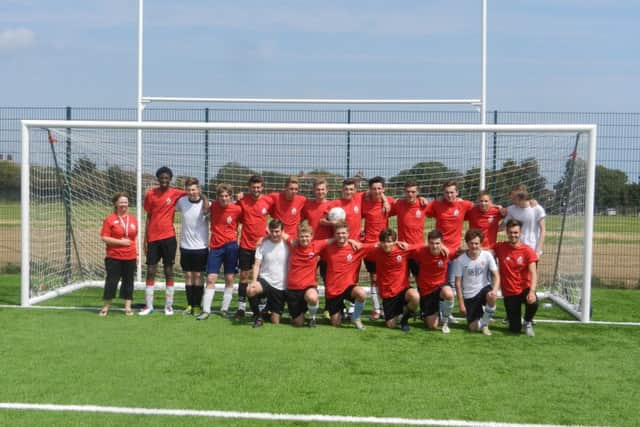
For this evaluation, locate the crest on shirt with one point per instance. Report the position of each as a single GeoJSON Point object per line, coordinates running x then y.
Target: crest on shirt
{"type": "Point", "coordinates": [398, 258]}
{"type": "Point", "coordinates": [490, 219]}
{"type": "Point", "coordinates": [418, 214]}
{"type": "Point", "coordinates": [229, 219]}
{"type": "Point", "coordinates": [349, 258]}
{"type": "Point", "coordinates": [132, 226]}
{"type": "Point", "coordinates": [508, 258]}
{"type": "Point", "coordinates": [456, 212]}
{"type": "Point", "coordinates": [520, 260]}
{"type": "Point", "coordinates": [312, 254]}
{"type": "Point", "coordinates": [168, 201]}
{"type": "Point", "coordinates": [356, 209]}
{"type": "Point", "coordinates": [294, 211]}
{"type": "Point", "coordinates": [440, 263]}
{"type": "Point", "coordinates": [263, 211]}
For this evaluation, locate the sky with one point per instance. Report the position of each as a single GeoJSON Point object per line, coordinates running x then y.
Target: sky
{"type": "Point", "coordinates": [543, 55]}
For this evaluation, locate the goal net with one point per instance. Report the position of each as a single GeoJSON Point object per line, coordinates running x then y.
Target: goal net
{"type": "Point", "coordinates": [75, 167]}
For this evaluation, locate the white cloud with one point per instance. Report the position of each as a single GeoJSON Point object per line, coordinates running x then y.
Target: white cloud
{"type": "Point", "coordinates": [16, 38]}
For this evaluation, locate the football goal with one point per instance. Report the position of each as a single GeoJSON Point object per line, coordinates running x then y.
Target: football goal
{"type": "Point", "coordinates": [70, 169]}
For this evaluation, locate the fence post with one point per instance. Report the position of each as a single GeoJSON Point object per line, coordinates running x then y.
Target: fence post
{"type": "Point", "coordinates": [348, 145]}
{"type": "Point", "coordinates": [495, 154]}
{"type": "Point", "coordinates": [206, 153]}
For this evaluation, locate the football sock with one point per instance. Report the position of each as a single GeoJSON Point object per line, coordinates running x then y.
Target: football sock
{"type": "Point", "coordinates": [357, 310]}
{"type": "Point", "coordinates": [313, 310]}
{"type": "Point", "coordinates": [254, 303]}
{"type": "Point", "coordinates": [148, 295]}
{"type": "Point", "coordinates": [188, 290]}
{"type": "Point", "coordinates": [208, 299]}
{"type": "Point", "coordinates": [488, 314]}
{"type": "Point", "coordinates": [226, 299]}
{"type": "Point", "coordinates": [198, 291]}
{"type": "Point", "coordinates": [169, 295]}
{"type": "Point", "coordinates": [242, 296]}
{"type": "Point", "coordinates": [446, 307]}
{"type": "Point", "coordinates": [374, 298]}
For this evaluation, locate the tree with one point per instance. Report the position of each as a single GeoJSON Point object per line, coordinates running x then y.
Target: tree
{"type": "Point", "coordinates": [610, 187]}
{"type": "Point", "coordinates": [9, 180]}
{"type": "Point", "coordinates": [429, 175]}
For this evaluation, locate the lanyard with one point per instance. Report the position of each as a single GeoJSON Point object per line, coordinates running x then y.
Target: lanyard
{"type": "Point", "coordinates": [125, 225]}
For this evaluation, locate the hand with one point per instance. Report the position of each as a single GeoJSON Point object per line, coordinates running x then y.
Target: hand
{"type": "Point", "coordinates": [539, 252]}
{"type": "Point", "coordinates": [531, 297]}
{"type": "Point", "coordinates": [355, 244]}
{"type": "Point", "coordinates": [259, 242]}
{"type": "Point", "coordinates": [462, 308]}
{"type": "Point", "coordinates": [239, 196]}
{"type": "Point", "coordinates": [403, 245]}
{"type": "Point", "coordinates": [423, 201]}
{"type": "Point", "coordinates": [125, 242]}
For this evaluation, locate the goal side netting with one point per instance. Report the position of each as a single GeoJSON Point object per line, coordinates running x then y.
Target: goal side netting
{"type": "Point", "coordinates": [74, 168]}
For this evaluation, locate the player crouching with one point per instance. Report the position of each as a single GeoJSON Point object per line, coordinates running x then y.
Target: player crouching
{"type": "Point", "coordinates": [471, 278]}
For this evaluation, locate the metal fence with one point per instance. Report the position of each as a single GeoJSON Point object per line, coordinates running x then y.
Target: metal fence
{"type": "Point", "coordinates": [616, 263]}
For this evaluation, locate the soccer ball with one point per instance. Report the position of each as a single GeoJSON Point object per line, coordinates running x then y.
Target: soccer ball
{"type": "Point", "coordinates": [337, 214]}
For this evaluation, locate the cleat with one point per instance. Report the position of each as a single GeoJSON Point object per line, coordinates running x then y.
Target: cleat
{"type": "Point", "coordinates": [505, 320]}
{"type": "Point", "coordinates": [145, 311]}
{"type": "Point", "coordinates": [258, 322]}
{"type": "Point", "coordinates": [326, 315]}
{"type": "Point", "coordinates": [445, 329]}
{"type": "Point", "coordinates": [312, 322]}
{"type": "Point", "coordinates": [168, 311]}
{"type": "Point", "coordinates": [452, 319]}
{"type": "Point", "coordinates": [203, 316]}
{"type": "Point", "coordinates": [239, 315]}
{"type": "Point", "coordinates": [358, 324]}
{"type": "Point", "coordinates": [375, 315]}
{"type": "Point", "coordinates": [188, 311]}
{"type": "Point", "coordinates": [485, 331]}
{"type": "Point", "coordinates": [196, 311]}
{"type": "Point", "coordinates": [224, 313]}
{"type": "Point", "coordinates": [405, 327]}
{"type": "Point", "coordinates": [529, 330]}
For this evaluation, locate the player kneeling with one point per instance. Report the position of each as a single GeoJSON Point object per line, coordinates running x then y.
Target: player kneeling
{"type": "Point", "coordinates": [399, 300]}
{"type": "Point", "coordinates": [476, 297]}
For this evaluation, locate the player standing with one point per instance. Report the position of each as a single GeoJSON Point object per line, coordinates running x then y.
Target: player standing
{"type": "Point", "coordinates": [160, 239]}
{"type": "Point", "coordinates": [223, 249]}
{"type": "Point", "coordinates": [194, 237]}
{"type": "Point", "coordinates": [287, 206]}
{"type": "Point", "coordinates": [518, 273]}
{"type": "Point", "coordinates": [485, 216]}
{"type": "Point", "coordinates": [531, 217]}
{"type": "Point", "coordinates": [472, 285]}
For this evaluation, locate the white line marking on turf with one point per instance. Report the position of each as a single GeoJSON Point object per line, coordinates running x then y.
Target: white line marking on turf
{"type": "Point", "coordinates": [265, 416]}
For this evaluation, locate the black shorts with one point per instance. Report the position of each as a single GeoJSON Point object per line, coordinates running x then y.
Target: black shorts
{"type": "Point", "coordinates": [246, 258]}
{"type": "Point", "coordinates": [430, 304]}
{"type": "Point", "coordinates": [394, 306]}
{"type": "Point", "coordinates": [474, 305]}
{"type": "Point", "coordinates": [119, 270]}
{"type": "Point", "coordinates": [295, 301]}
{"type": "Point", "coordinates": [336, 305]}
{"type": "Point", "coordinates": [370, 266]}
{"type": "Point", "coordinates": [164, 250]}
{"type": "Point", "coordinates": [193, 259]}
{"type": "Point", "coordinates": [275, 297]}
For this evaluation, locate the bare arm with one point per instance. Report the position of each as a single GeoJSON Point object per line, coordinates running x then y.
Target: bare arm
{"type": "Point", "coordinates": [256, 271]}
{"type": "Point", "coordinates": [495, 276]}
{"type": "Point", "coordinates": [463, 309]}
{"type": "Point", "coordinates": [116, 242]}
{"type": "Point", "coordinates": [540, 245]}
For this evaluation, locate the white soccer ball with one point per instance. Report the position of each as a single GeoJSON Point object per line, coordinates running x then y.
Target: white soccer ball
{"type": "Point", "coordinates": [337, 214]}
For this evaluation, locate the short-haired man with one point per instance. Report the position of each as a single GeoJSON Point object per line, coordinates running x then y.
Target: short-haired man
{"type": "Point", "coordinates": [436, 295]}
{"type": "Point", "coordinates": [160, 237]}
{"type": "Point", "coordinates": [223, 249]}
{"type": "Point", "coordinates": [315, 212]}
{"type": "Point", "coordinates": [531, 216]}
{"type": "Point", "coordinates": [255, 212]}
{"type": "Point", "coordinates": [270, 275]}
{"type": "Point", "coordinates": [476, 297]}
{"type": "Point", "coordinates": [287, 206]}
{"type": "Point", "coordinates": [517, 264]}
{"type": "Point", "coordinates": [375, 211]}
{"type": "Point", "coordinates": [399, 300]}
{"type": "Point", "coordinates": [485, 216]}
{"type": "Point", "coordinates": [194, 239]}
{"type": "Point", "coordinates": [343, 265]}
{"type": "Point", "coordinates": [351, 202]}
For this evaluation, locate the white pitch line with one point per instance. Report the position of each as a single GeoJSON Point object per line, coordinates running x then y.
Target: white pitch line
{"type": "Point", "coordinates": [265, 416]}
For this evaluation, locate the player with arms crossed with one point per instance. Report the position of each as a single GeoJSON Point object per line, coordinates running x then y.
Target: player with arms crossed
{"type": "Point", "coordinates": [474, 291]}
{"type": "Point", "coordinates": [160, 239]}
{"type": "Point", "coordinates": [255, 210]}
{"type": "Point", "coordinates": [194, 237]}
{"type": "Point", "coordinates": [270, 275]}
{"type": "Point", "coordinates": [399, 300]}
{"type": "Point", "coordinates": [223, 249]}
{"type": "Point", "coordinates": [436, 295]}
{"type": "Point", "coordinates": [518, 273]}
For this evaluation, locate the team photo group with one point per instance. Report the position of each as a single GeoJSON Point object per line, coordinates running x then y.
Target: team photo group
{"type": "Point", "coordinates": [277, 245]}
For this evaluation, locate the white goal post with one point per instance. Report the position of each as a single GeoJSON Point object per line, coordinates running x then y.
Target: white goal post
{"type": "Point", "coordinates": [580, 310]}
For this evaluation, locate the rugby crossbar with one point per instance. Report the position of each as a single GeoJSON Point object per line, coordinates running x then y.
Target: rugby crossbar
{"type": "Point", "coordinates": [589, 129]}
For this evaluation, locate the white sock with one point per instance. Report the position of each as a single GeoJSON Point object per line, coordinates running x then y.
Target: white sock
{"type": "Point", "coordinates": [446, 306]}
{"type": "Point", "coordinates": [169, 296]}
{"type": "Point", "coordinates": [208, 299]}
{"type": "Point", "coordinates": [374, 298]}
{"type": "Point", "coordinates": [226, 299]}
{"type": "Point", "coordinates": [313, 310]}
{"type": "Point", "coordinates": [148, 296]}
{"type": "Point", "coordinates": [487, 315]}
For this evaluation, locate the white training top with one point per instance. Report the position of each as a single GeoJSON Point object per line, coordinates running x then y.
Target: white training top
{"type": "Point", "coordinates": [274, 262]}
{"type": "Point", "coordinates": [530, 219]}
{"type": "Point", "coordinates": [195, 230]}
{"type": "Point", "coordinates": [474, 272]}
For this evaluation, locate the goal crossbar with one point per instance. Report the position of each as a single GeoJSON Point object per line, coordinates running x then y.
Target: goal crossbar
{"type": "Point", "coordinates": [588, 129]}
{"type": "Point", "coordinates": [338, 101]}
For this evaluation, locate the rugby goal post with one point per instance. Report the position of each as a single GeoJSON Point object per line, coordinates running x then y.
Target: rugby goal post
{"type": "Point", "coordinates": [64, 202]}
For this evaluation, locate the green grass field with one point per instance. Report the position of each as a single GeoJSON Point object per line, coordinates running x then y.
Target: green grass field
{"type": "Point", "coordinates": [568, 374]}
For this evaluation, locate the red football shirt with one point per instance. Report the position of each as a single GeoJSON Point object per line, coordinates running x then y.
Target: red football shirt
{"type": "Point", "coordinates": [391, 270]}
{"type": "Point", "coordinates": [313, 212]}
{"type": "Point", "coordinates": [254, 220]}
{"type": "Point", "coordinates": [117, 227]}
{"type": "Point", "coordinates": [375, 219]}
{"type": "Point", "coordinates": [287, 211]}
{"type": "Point", "coordinates": [410, 221]}
{"type": "Point", "coordinates": [487, 222]}
{"type": "Point", "coordinates": [303, 263]}
{"type": "Point", "coordinates": [433, 270]}
{"type": "Point", "coordinates": [343, 265]}
{"type": "Point", "coordinates": [353, 210]}
{"type": "Point", "coordinates": [449, 220]}
{"type": "Point", "coordinates": [224, 224]}
{"type": "Point", "coordinates": [513, 263]}
{"type": "Point", "coordinates": [160, 207]}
